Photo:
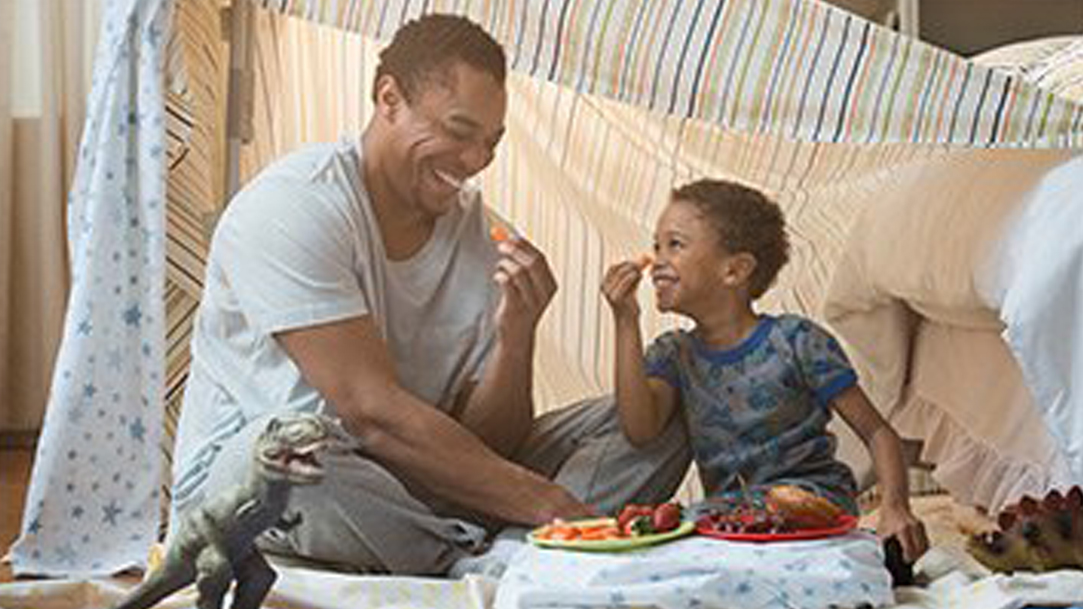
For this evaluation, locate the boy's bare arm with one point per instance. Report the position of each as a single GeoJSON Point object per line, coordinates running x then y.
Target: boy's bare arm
{"type": "Point", "coordinates": [349, 364]}
{"type": "Point", "coordinates": [645, 404]}
{"type": "Point", "coordinates": [885, 448]}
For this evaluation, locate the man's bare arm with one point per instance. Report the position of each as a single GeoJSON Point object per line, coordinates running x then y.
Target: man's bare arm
{"type": "Point", "coordinates": [349, 364]}
{"type": "Point", "coordinates": [500, 409]}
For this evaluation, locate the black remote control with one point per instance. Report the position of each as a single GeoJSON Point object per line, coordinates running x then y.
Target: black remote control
{"type": "Point", "coordinates": [902, 572]}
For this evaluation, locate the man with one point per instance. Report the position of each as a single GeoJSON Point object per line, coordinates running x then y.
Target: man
{"type": "Point", "coordinates": [358, 279]}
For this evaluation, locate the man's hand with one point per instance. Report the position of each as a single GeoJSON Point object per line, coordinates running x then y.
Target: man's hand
{"type": "Point", "coordinates": [556, 502]}
{"type": "Point", "coordinates": [619, 288]}
{"type": "Point", "coordinates": [527, 286]}
{"type": "Point", "coordinates": [897, 521]}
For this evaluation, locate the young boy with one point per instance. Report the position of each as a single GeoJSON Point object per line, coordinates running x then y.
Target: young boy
{"type": "Point", "coordinates": [756, 390]}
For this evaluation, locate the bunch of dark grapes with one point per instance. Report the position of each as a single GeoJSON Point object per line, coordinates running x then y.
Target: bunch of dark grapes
{"type": "Point", "coordinates": [739, 517]}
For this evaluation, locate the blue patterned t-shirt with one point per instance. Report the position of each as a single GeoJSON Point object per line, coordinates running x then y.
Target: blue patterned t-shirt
{"type": "Point", "coordinates": [761, 409]}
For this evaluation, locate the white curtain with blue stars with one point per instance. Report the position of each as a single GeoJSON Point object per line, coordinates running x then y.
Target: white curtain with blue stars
{"type": "Point", "coordinates": [92, 504]}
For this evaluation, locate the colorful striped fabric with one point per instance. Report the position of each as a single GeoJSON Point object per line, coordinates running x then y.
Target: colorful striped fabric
{"type": "Point", "coordinates": [795, 68]}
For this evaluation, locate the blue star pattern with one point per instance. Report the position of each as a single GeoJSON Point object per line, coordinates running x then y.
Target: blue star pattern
{"type": "Point", "coordinates": [132, 315]}
{"type": "Point", "coordinates": [93, 504]}
{"type": "Point", "coordinates": [702, 572]}
{"type": "Point", "coordinates": [111, 511]}
{"type": "Point", "coordinates": [136, 430]}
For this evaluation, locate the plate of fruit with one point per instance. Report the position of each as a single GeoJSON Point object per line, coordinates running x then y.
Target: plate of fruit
{"type": "Point", "coordinates": [786, 513]}
{"type": "Point", "coordinates": [636, 526]}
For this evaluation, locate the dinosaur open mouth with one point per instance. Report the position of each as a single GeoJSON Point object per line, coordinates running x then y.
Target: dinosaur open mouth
{"type": "Point", "coordinates": [304, 461]}
{"type": "Point", "coordinates": [301, 464]}
{"type": "Point", "coordinates": [307, 458]}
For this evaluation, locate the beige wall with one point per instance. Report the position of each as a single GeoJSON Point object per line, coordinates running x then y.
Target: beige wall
{"type": "Point", "coordinates": [875, 10]}
{"type": "Point", "coordinates": [972, 26]}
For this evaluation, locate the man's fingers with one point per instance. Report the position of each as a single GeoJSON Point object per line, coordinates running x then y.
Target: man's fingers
{"type": "Point", "coordinates": [533, 264]}
{"type": "Point", "coordinates": [516, 277]}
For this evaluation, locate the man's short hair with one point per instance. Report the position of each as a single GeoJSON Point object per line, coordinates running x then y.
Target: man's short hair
{"type": "Point", "coordinates": [746, 221]}
{"type": "Point", "coordinates": [424, 46]}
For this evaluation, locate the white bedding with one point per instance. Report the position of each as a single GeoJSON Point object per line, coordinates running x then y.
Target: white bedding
{"type": "Point", "coordinates": [917, 299]}
{"type": "Point", "coordinates": [1037, 285]}
{"type": "Point", "coordinates": [959, 295]}
{"type": "Point", "coordinates": [956, 585]}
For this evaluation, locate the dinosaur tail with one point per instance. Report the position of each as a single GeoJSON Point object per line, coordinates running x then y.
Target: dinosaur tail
{"type": "Point", "coordinates": [158, 585]}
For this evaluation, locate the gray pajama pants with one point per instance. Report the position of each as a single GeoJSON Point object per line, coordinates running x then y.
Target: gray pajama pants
{"type": "Point", "coordinates": [362, 518]}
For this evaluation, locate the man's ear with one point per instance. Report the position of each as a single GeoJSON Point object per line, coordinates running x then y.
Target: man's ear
{"type": "Point", "coordinates": [389, 97]}
{"type": "Point", "coordinates": [738, 268]}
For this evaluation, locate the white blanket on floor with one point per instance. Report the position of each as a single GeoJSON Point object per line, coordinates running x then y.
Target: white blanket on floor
{"type": "Point", "coordinates": [304, 589]}
{"type": "Point", "coordinates": [702, 572]}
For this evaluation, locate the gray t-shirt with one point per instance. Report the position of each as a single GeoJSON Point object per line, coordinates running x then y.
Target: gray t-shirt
{"type": "Point", "coordinates": [300, 247]}
{"type": "Point", "coordinates": [761, 408]}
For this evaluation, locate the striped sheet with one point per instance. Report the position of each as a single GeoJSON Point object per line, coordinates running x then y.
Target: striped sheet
{"type": "Point", "coordinates": [793, 68]}
{"type": "Point", "coordinates": [195, 182]}
{"type": "Point", "coordinates": [584, 176]}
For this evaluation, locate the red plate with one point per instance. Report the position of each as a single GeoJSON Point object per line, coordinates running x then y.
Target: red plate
{"type": "Point", "coordinates": [845, 524]}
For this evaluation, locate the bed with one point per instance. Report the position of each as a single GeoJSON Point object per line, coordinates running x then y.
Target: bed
{"type": "Point", "coordinates": [960, 270]}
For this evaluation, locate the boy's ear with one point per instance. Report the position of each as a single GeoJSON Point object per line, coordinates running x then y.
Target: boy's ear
{"type": "Point", "coordinates": [389, 97]}
{"type": "Point", "coordinates": [738, 269]}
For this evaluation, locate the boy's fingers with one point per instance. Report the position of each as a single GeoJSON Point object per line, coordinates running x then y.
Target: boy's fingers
{"type": "Point", "coordinates": [913, 543]}
{"type": "Point", "coordinates": [629, 282]}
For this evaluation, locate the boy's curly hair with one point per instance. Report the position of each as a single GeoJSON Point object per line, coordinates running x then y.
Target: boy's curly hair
{"type": "Point", "coordinates": [746, 221]}
{"type": "Point", "coordinates": [432, 42]}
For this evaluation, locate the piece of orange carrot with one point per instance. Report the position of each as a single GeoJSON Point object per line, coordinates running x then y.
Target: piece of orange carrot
{"type": "Point", "coordinates": [498, 233]}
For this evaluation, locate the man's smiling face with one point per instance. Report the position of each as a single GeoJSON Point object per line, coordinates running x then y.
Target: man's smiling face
{"type": "Point", "coordinates": [446, 134]}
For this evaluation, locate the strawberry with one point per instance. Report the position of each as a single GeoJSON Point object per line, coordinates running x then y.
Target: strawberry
{"type": "Point", "coordinates": [666, 517]}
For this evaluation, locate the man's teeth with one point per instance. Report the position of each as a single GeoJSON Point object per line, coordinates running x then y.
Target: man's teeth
{"type": "Point", "coordinates": [449, 179]}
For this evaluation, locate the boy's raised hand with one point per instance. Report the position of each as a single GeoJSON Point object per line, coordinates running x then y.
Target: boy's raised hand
{"type": "Point", "coordinates": [619, 286]}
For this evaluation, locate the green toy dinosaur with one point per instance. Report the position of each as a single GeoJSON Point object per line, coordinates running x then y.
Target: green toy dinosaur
{"type": "Point", "coordinates": [214, 545]}
{"type": "Point", "coordinates": [1035, 535]}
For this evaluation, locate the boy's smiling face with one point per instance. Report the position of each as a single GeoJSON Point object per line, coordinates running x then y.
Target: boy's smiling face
{"type": "Point", "coordinates": [689, 263]}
